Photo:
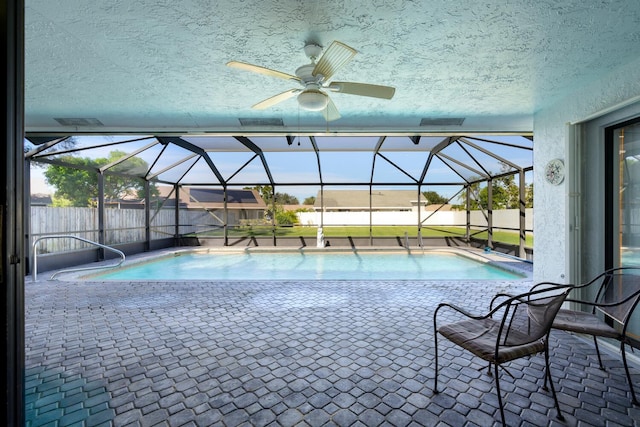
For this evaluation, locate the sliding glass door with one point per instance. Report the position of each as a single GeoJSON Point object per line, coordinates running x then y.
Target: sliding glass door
{"type": "Point", "coordinates": [622, 207]}
{"type": "Point", "coordinates": [623, 195]}
{"type": "Point", "coordinates": [606, 196]}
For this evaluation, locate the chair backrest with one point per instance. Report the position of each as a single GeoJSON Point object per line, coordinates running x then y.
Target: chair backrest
{"type": "Point", "coordinates": [528, 317]}
{"type": "Point", "coordinates": [619, 291]}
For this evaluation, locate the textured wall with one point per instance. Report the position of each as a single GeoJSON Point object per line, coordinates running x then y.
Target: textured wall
{"type": "Point", "coordinates": [160, 65]}
{"type": "Point", "coordinates": [617, 88]}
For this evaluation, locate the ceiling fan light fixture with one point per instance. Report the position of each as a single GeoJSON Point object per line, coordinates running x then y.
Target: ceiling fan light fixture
{"type": "Point", "coordinates": [313, 100]}
{"type": "Point", "coordinates": [312, 51]}
{"type": "Point", "coordinates": [315, 79]}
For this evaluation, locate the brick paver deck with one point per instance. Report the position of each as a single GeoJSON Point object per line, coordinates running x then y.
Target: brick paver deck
{"type": "Point", "coordinates": [286, 354]}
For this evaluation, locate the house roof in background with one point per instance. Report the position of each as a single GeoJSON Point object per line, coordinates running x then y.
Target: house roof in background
{"type": "Point", "coordinates": [213, 198]}
{"type": "Point", "coordinates": [362, 199]}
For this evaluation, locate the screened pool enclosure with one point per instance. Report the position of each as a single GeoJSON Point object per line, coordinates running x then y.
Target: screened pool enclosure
{"type": "Point", "coordinates": [145, 192]}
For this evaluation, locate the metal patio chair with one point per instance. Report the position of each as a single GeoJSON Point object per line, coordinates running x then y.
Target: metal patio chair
{"type": "Point", "coordinates": [517, 327]}
{"type": "Point", "coordinates": [617, 294]}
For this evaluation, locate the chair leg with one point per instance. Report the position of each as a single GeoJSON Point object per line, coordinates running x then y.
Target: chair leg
{"type": "Point", "coordinates": [547, 373]}
{"type": "Point", "coordinates": [595, 343]}
{"type": "Point", "coordinates": [548, 378]}
{"type": "Point", "coordinates": [497, 377]}
{"type": "Point", "coordinates": [634, 399]}
{"type": "Point", "coordinates": [435, 380]}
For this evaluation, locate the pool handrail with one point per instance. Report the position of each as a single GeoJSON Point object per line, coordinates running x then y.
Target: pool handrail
{"type": "Point", "coordinates": [68, 236]}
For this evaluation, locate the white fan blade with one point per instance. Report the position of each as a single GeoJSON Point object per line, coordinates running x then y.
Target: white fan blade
{"type": "Point", "coordinates": [363, 89]}
{"type": "Point", "coordinates": [334, 58]}
{"type": "Point", "coordinates": [262, 70]}
{"type": "Point", "coordinates": [269, 102]}
{"type": "Point", "coordinates": [331, 112]}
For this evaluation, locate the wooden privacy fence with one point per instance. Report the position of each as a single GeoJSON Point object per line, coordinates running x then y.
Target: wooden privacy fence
{"type": "Point", "coordinates": [82, 222]}
{"type": "Point", "coordinates": [121, 225]}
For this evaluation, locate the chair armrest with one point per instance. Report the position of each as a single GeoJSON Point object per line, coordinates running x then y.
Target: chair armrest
{"type": "Point", "coordinates": [454, 308]}
{"type": "Point", "coordinates": [605, 304]}
{"type": "Point", "coordinates": [609, 272]}
{"type": "Point", "coordinates": [509, 300]}
{"type": "Point", "coordinates": [497, 297]}
{"type": "Point", "coordinates": [470, 315]}
{"type": "Point", "coordinates": [555, 285]}
{"type": "Point", "coordinates": [459, 310]}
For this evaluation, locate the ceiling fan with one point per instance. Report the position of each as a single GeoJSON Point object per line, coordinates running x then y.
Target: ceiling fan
{"type": "Point", "coordinates": [315, 80]}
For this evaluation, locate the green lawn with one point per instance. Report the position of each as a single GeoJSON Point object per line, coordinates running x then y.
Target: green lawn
{"type": "Point", "coordinates": [377, 231]}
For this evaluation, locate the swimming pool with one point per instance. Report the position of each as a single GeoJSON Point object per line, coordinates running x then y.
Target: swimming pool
{"type": "Point", "coordinates": [630, 257]}
{"type": "Point", "coordinates": [301, 265]}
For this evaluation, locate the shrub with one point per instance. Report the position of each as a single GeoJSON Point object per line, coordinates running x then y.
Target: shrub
{"type": "Point", "coordinates": [286, 218]}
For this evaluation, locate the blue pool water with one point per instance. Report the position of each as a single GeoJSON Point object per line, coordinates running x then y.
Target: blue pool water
{"type": "Point", "coordinates": [630, 258]}
{"type": "Point", "coordinates": [310, 266]}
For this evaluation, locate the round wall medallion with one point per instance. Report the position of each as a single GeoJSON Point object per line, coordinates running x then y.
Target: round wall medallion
{"type": "Point", "coordinates": [554, 171]}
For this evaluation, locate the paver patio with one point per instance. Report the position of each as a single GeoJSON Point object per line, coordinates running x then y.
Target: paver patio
{"type": "Point", "coordinates": [289, 353]}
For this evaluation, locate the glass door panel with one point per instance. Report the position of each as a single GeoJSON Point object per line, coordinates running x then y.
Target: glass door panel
{"type": "Point", "coordinates": [627, 218]}
{"type": "Point", "coordinates": [625, 211]}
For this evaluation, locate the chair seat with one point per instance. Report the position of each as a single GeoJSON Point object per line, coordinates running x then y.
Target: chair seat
{"type": "Point", "coordinates": [583, 323]}
{"type": "Point", "coordinates": [479, 337]}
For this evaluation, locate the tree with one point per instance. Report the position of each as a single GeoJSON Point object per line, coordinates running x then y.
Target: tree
{"type": "Point", "coordinates": [528, 196]}
{"type": "Point", "coordinates": [266, 192]}
{"type": "Point", "coordinates": [77, 187]}
{"type": "Point", "coordinates": [286, 199]}
{"type": "Point", "coordinates": [286, 217]}
{"type": "Point", "coordinates": [61, 202]}
{"type": "Point", "coordinates": [505, 195]}
{"type": "Point", "coordinates": [77, 184]}
{"type": "Point", "coordinates": [118, 187]}
{"type": "Point", "coordinates": [311, 200]}
{"type": "Point", "coordinates": [433, 198]}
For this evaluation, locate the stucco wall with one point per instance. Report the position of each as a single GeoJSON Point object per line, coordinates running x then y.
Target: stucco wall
{"type": "Point", "coordinates": [551, 127]}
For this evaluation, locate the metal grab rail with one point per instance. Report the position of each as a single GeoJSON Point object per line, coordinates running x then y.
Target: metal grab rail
{"type": "Point", "coordinates": [35, 255]}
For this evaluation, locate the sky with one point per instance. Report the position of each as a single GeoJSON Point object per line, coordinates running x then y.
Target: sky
{"type": "Point", "coordinates": [297, 163]}
{"type": "Point", "coordinates": [39, 184]}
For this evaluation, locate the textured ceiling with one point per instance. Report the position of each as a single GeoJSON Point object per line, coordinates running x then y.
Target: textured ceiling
{"type": "Point", "coordinates": [159, 66]}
